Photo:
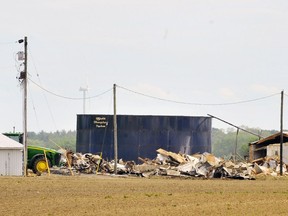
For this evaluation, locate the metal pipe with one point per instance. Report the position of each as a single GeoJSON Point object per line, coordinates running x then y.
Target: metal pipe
{"type": "Point", "coordinates": [259, 136]}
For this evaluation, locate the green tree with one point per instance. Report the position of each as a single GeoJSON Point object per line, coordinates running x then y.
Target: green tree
{"type": "Point", "coordinates": [66, 140]}
{"type": "Point", "coordinates": [225, 142]}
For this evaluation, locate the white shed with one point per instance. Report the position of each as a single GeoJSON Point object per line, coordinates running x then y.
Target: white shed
{"type": "Point", "coordinates": [274, 150]}
{"type": "Point", "coordinates": [11, 157]}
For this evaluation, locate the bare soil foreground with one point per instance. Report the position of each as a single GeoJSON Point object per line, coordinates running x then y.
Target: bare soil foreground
{"type": "Point", "coordinates": [108, 195]}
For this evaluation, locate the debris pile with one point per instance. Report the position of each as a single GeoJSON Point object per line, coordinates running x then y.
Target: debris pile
{"type": "Point", "coordinates": [269, 166]}
{"type": "Point", "coordinates": [172, 164]}
{"type": "Point", "coordinates": [203, 165]}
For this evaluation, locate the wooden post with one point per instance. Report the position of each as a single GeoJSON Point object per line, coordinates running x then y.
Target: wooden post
{"type": "Point", "coordinates": [47, 163]}
{"type": "Point", "coordinates": [115, 131]}
{"type": "Point", "coordinates": [25, 108]}
{"type": "Point", "coordinates": [236, 144]}
{"type": "Point", "coordinates": [281, 135]}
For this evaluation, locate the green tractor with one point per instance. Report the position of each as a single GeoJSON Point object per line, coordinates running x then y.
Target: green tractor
{"type": "Point", "coordinates": [36, 160]}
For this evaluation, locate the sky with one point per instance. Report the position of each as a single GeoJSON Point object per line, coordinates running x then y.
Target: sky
{"type": "Point", "coordinates": [226, 58]}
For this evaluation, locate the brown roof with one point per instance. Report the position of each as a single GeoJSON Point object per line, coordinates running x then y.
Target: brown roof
{"type": "Point", "coordinates": [274, 138]}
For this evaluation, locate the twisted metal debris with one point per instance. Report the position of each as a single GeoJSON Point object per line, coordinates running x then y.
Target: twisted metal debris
{"type": "Point", "coordinates": [171, 164]}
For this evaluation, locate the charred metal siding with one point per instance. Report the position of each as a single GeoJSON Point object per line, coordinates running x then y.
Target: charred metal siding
{"type": "Point", "coordinates": [141, 136]}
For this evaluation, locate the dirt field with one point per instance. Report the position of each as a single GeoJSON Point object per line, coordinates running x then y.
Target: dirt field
{"type": "Point", "coordinates": [105, 195]}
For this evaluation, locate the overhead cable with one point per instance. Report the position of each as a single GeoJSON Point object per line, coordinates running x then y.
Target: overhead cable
{"type": "Point", "coordinates": [70, 98]}
{"type": "Point", "coordinates": [198, 104]}
{"type": "Point", "coordinates": [43, 92]}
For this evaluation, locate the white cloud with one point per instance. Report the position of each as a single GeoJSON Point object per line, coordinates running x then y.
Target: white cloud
{"type": "Point", "coordinates": [155, 91]}
{"type": "Point", "coordinates": [227, 93]}
{"type": "Point", "coordinates": [264, 89]}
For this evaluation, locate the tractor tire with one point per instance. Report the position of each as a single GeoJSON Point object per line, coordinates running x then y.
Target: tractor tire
{"type": "Point", "coordinates": [39, 165]}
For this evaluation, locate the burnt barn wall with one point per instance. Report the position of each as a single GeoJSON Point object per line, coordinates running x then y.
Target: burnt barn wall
{"type": "Point", "coordinates": [141, 136]}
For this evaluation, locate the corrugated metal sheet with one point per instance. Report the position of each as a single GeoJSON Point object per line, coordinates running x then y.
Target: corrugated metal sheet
{"type": "Point", "coordinates": [141, 136]}
{"type": "Point", "coordinates": [11, 162]}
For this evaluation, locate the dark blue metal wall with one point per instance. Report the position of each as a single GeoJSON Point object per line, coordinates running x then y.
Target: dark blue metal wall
{"type": "Point", "coordinates": [141, 136]}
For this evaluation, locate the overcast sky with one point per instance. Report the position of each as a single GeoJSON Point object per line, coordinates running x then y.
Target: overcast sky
{"type": "Point", "coordinates": [192, 51]}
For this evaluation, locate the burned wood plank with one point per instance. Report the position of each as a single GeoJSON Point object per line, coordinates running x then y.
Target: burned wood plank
{"type": "Point", "coordinates": [180, 159]}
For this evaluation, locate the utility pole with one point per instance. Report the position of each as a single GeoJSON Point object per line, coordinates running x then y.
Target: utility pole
{"type": "Point", "coordinates": [23, 77]}
{"type": "Point", "coordinates": [84, 97]}
{"type": "Point", "coordinates": [281, 135]}
{"type": "Point", "coordinates": [115, 131]}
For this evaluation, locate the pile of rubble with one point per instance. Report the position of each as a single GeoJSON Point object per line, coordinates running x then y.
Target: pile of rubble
{"type": "Point", "coordinates": [269, 166]}
{"type": "Point", "coordinates": [168, 163]}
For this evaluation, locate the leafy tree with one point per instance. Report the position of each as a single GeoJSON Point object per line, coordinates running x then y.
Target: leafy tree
{"type": "Point", "coordinates": [225, 142]}
{"type": "Point", "coordinates": [63, 139]}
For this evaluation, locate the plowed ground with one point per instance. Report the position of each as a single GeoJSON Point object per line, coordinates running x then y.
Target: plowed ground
{"type": "Point", "coordinates": [105, 195]}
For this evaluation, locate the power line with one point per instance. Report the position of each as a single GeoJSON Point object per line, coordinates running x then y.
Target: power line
{"type": "Point", "coordinates": [43, 92]}
{"type": "Point", "coordinates": [34, 109]}
{"type": "Point", "coordinates": [198, 104]}
{"type": "Point", "coordinates": [70, 98]}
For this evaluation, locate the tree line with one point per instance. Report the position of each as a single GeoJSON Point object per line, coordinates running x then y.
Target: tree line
{"type": "Point", "coordinates": [54, 140]}
{"type": "Point", "coordinates": [224, 142]}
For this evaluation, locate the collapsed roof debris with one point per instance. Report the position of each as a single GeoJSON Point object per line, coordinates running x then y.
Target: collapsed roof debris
{"type": "Point", "coordinates": [171, 164]}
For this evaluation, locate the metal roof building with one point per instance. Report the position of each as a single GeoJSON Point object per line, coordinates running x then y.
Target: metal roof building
{"type": "Point", "coordinates": [141, 135]}
{"type": "Point", "coordinates": [269, 146]}
{"type": "Point", "coordinates": [11, 157]}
